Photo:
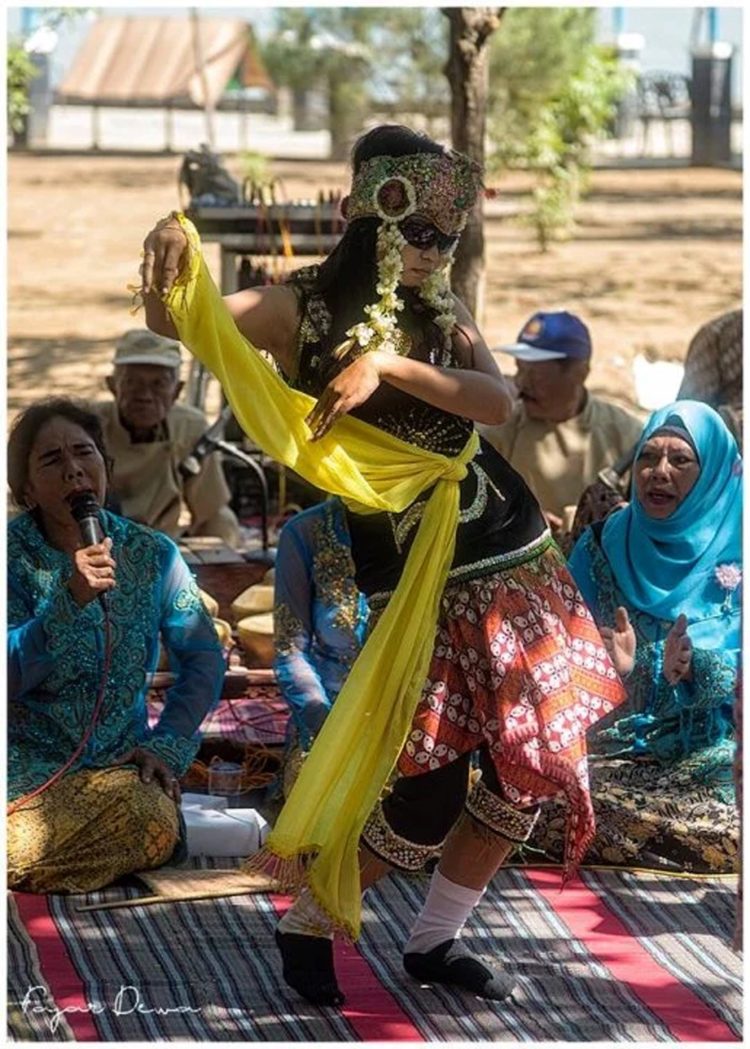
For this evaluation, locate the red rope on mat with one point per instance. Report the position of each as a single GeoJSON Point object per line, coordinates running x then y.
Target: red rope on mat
{"type": "Point", "coordinates": [257, 758]}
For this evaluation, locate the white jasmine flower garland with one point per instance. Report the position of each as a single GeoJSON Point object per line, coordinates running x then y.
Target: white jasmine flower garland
{"type": "Point", "coordinates": [436, 293]}
{"type": "Point", "coordinates": [380, 331]}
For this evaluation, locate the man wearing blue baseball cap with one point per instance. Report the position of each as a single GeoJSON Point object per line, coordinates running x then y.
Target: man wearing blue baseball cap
{"type": "Point", "coordinates": [559, 436]}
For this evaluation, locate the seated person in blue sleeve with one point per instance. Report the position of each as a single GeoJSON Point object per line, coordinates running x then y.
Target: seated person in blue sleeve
{"type": "Point", "coordinates": [320, 618]}
{"type": "Point", "coordinates": [93, 790]}
{"type": "Point", "coordinates": [662, 579]}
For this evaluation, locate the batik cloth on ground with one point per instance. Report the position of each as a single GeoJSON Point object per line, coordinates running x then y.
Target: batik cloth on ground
{"type": "Point", "coordinates": [660, 767]}
{"type": "Point", "coordinates": [653, 817]}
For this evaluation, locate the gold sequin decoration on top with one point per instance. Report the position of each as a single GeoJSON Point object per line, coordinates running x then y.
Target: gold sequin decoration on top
{"type": "Point", "coordinates": [333, 568]}
{"type": "Point", "coordinates": [443, 434]}
{"type": "Point", "coordinates": [287, 629]}
{"type": "Point", "coordinates": [479, 502]}
{"type": "Point", "coordinates": [307, 333]}
{"type": "Point", "coordinates": [487, 567]}
{"type": "Point", "coordinates": [503, 562]}
{"type": "Point", "coordinates": [403, 525]}
{"type": "Point", "coordinates": [408, 520]}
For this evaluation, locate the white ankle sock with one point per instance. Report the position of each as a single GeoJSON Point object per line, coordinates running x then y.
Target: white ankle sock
{"type": "Point", "coordinates": [305, 918]}
{"type": "Point", "coordinates": [444, 913]}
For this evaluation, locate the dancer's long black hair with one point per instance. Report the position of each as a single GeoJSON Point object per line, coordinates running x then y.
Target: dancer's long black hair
{"type": "Point", "coordinates": [347, 278]}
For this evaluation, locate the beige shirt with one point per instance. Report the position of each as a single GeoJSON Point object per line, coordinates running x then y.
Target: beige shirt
{"type": "Point", "coordinates": [558, 460]}
{"type": "Point", "coordinates": [147, 483]}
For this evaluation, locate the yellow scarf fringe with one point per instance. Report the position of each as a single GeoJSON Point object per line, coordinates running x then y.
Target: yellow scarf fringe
{"type": "Point", "coordinates": [316, 838]}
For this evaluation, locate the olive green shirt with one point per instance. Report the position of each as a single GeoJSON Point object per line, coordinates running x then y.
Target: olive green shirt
{"type": "Point", "coordinates": [559, 459]}
{"type": "Point", "coordinates": [149, 487]}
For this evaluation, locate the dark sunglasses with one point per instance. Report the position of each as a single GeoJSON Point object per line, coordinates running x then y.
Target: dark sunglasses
{"type": "Point", "coordinates": [424, 235]}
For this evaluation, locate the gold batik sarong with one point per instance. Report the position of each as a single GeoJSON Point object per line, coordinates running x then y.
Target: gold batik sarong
{"type": "Point", "coordinates": [89, 829]}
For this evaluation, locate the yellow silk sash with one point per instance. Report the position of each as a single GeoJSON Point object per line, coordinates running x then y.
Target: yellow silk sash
{"type": "Point", "coordinates": [365, 731]}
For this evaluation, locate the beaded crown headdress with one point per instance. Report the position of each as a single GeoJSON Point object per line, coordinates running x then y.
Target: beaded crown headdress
{"type": "Point", "coordinates": [439, 187]}
{"type": "Point", "coordinates": [442, 187]}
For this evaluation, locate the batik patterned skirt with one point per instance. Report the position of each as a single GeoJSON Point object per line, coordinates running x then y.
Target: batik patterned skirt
{"type": "Point", "coordinates": [89, 829]}
{"type": "Point", "coordinates": [518, 666]}
{"type": "Point", "coordinates": [680, 816]}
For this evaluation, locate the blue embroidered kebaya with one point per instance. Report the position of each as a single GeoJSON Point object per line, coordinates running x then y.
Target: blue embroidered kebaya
{"type": "Point", "coordinates": [56, 652]}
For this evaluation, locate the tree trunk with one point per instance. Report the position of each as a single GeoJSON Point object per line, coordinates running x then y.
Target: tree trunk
{"type": "Point", "coordinates": [301, 118]}
{"type": "Point", "coordinates": [347, 107]}
{"type": "Point", "coordinates": [467, 71]}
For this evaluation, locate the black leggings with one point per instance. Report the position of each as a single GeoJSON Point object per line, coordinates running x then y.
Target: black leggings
{"type": "Point", "coordinates": [423, 808]}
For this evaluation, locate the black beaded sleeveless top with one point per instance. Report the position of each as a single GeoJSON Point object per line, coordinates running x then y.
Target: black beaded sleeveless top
{"type": "Point", "coordinates": [500, 523]}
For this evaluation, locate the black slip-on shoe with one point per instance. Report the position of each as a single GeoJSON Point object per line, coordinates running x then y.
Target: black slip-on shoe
{"type": "Point", "coordinates": [452, 963]}
{"type": "Point", "coordinates": [308, 967]}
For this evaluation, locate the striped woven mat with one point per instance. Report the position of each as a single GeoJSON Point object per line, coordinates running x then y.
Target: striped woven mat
{"type": "Point", "coordinates": [613, 957]}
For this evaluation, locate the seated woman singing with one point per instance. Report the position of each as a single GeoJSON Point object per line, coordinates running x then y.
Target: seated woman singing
{"type": "Point", "coordinates": [662, 579]}
{"type": "Point", "coordinates": [93, 790]}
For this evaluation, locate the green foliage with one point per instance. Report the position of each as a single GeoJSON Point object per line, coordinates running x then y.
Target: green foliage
{"type": "Point", "coordinates": [554, 199]}
{"type": "Point", "coordinates": [533, 54]}
{"type": "Point", "coordinates": [55, 16]}
{"type": "Point", "coordinates": [360, 57]}
{"type": "Point", "coordinates": [553, 91]}
{"type": "Point", "coordinates": [413, 50]}
{"type": "Point", "coordinates": [21, 72]}
{"type": "Point", "coordinates": [288, 55]}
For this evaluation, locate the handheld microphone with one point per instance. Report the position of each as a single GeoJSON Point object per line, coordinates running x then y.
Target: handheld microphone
{"type": "Point", "coordinates": [85, 511]}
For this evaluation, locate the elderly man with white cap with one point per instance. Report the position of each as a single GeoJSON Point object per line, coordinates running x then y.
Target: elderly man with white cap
{"type": "Point", "coordinates": [559, 436]}
{"type": "Point", "coordinates": [150, 437]}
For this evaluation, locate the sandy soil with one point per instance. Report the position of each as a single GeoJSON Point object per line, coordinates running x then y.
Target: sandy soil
{"type": "Point", "coordinates": [657, 253]}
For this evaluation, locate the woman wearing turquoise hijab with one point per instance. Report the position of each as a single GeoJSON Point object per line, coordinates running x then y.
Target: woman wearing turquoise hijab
{"type": "Point", "coordinates": [662, 578]}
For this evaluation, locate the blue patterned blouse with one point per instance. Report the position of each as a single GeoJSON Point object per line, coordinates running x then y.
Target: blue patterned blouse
{"type": "Point", "coordinates": [320, 617]}
{"type": "Point", "coordinates": [56, 651]}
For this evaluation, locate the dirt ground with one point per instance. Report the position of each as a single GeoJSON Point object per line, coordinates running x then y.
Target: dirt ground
{"type": "Point", "coordinates": [657, 253]}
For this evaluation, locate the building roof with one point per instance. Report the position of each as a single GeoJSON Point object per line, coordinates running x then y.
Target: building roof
{"type": "Point", "coordinates": [152, 61]}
